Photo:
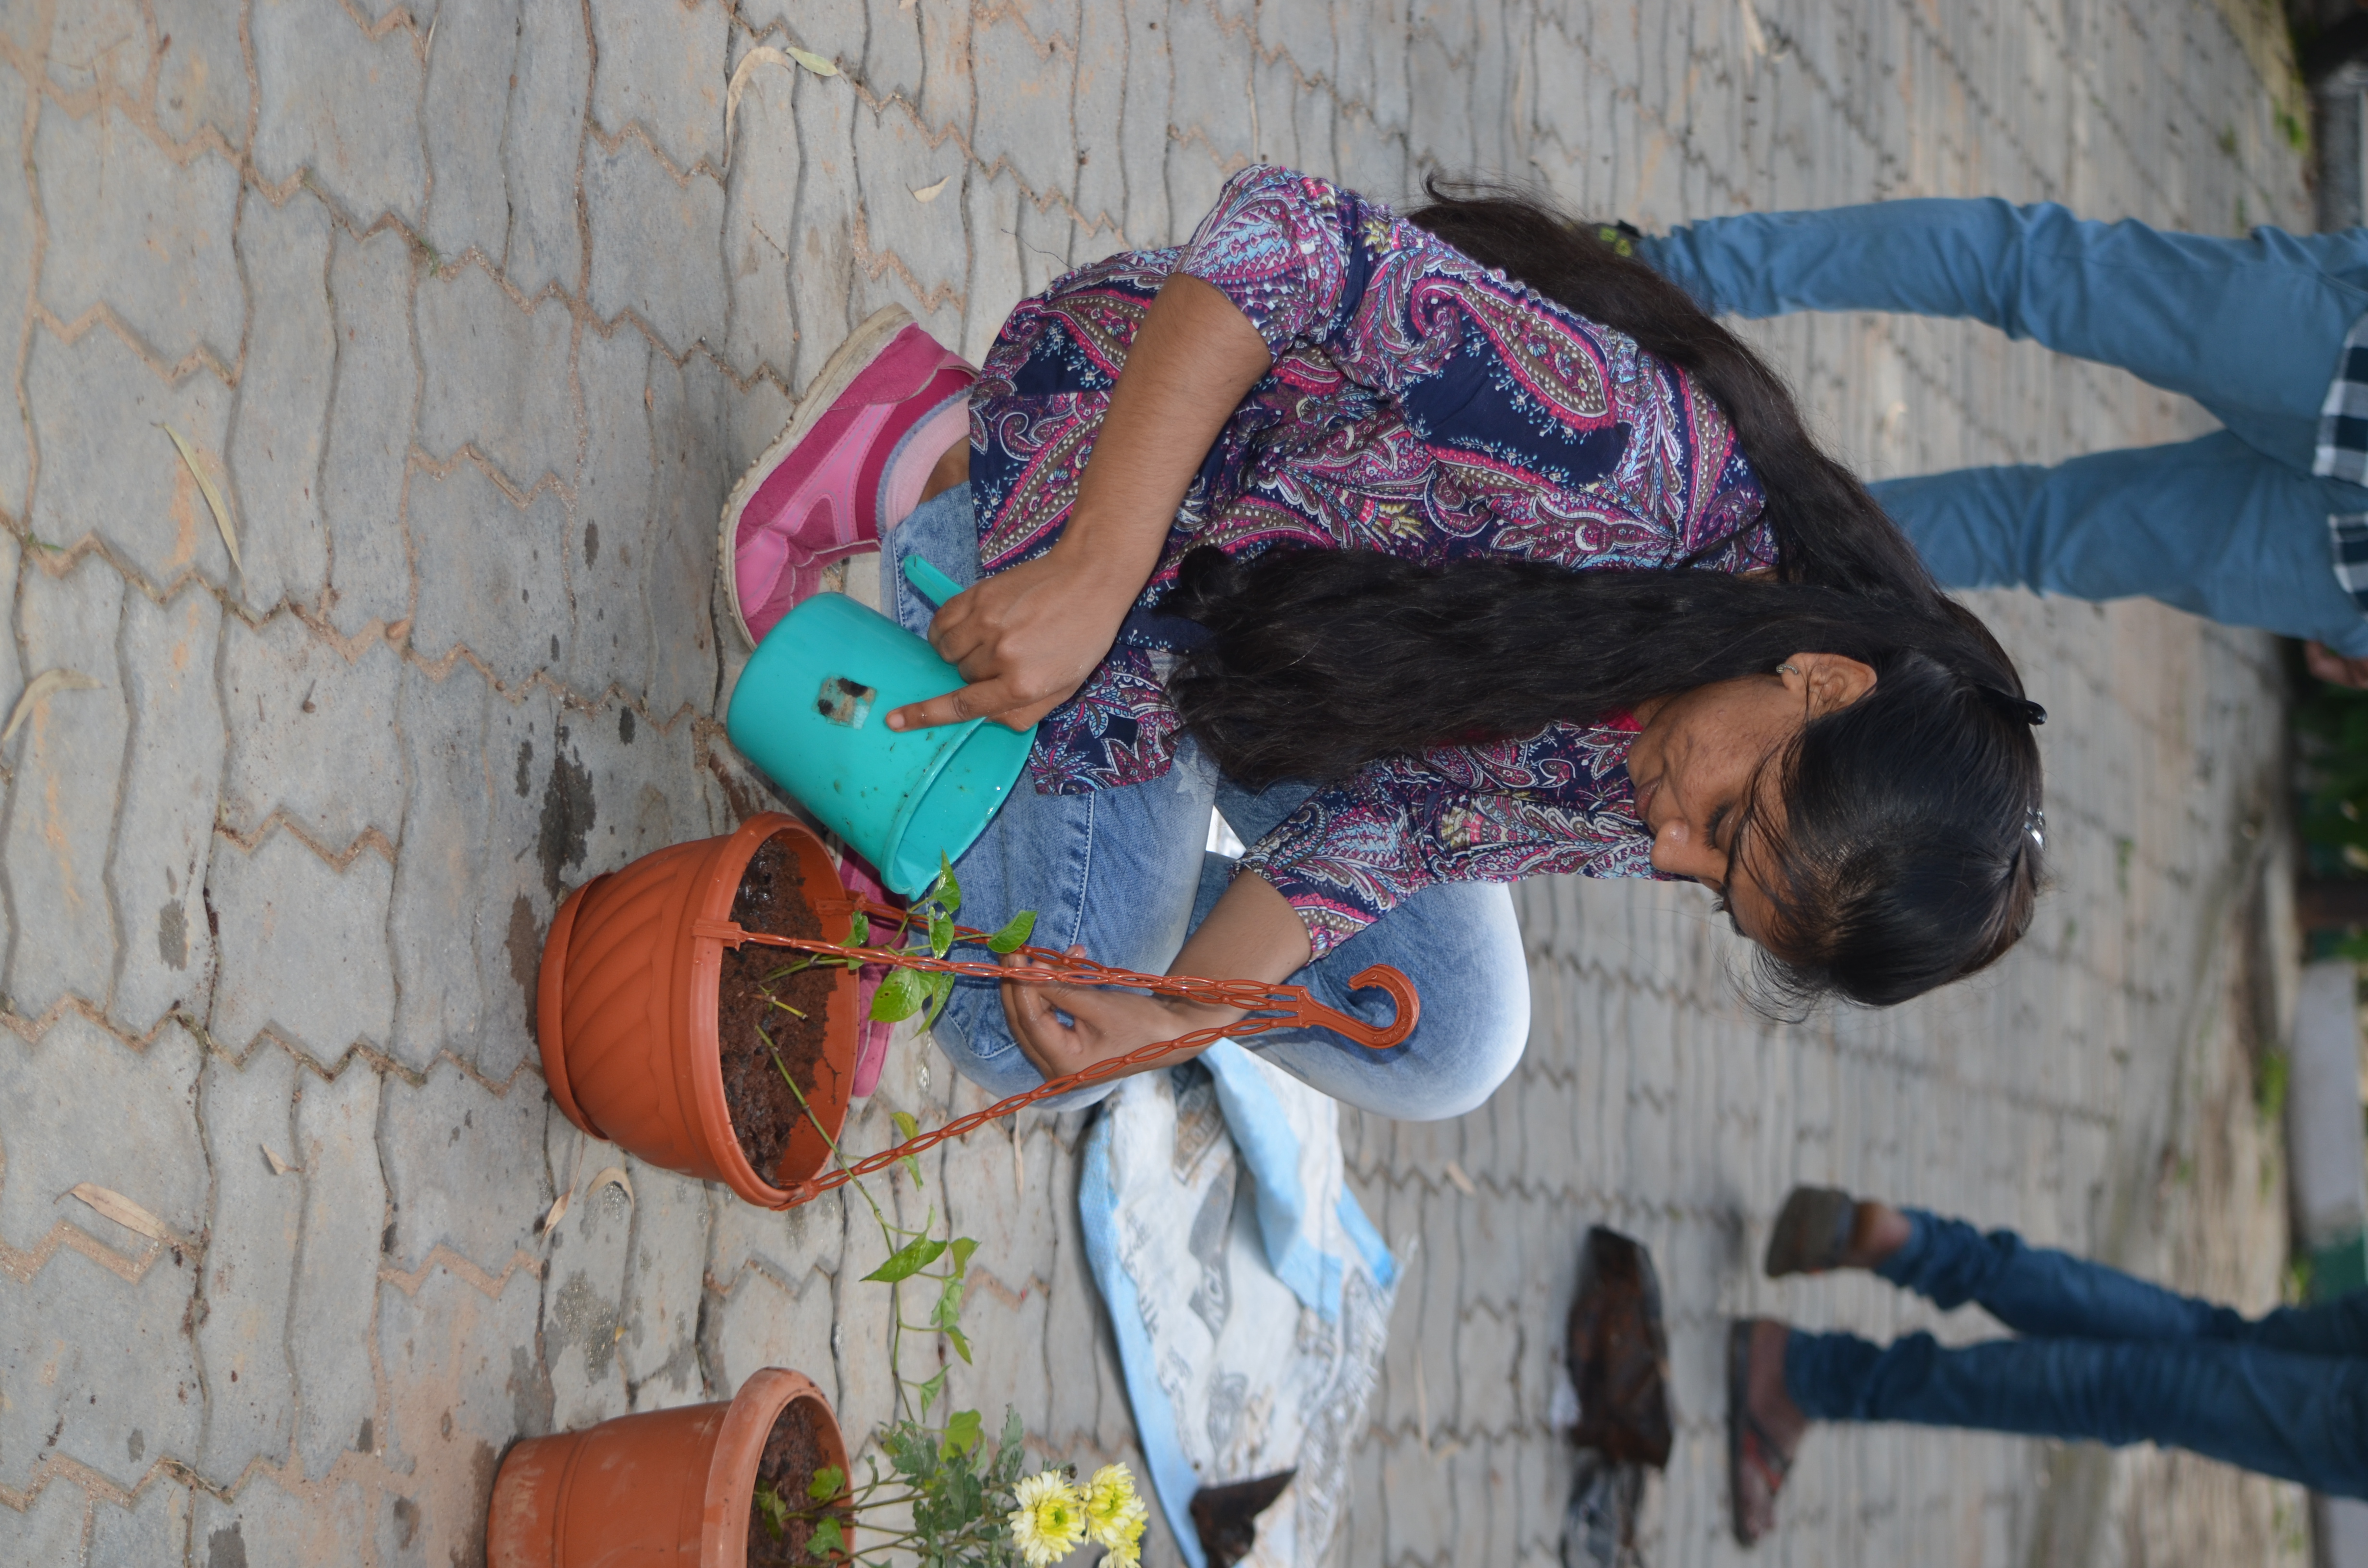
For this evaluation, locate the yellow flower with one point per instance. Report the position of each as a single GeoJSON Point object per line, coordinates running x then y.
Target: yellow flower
{"type": "Point", "coordinates": [1114, 1514]}
{"type": "Point", "coordinates": [1049, 1520]}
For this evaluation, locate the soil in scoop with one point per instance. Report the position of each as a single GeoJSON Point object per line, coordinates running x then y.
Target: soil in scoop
{"type": "Point", "coordinates": [764, 1114]}
{"type": "Point", "coordinates": [794, 1451]}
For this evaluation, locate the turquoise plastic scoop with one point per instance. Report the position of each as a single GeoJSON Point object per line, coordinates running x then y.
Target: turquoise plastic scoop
{"type": "Point", "coordinates": [811, 711]}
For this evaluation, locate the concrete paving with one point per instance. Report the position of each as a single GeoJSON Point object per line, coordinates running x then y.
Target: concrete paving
{"type": "Point", "coordinates": [474, 310]}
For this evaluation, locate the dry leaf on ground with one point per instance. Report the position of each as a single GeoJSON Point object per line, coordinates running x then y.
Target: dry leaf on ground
{"type": "Point", "coordinates": [812, 62]}
{"type": "Point", "coordinates": [1462, 1182]}
{"type": "Point", "coordinates": [278, 1167]}
{"type": "Point", "coordinates": [762, 55]}
{"type": "Point", "coordinates": [931, 192]}
{"type": "Point", "coordinates": [212, 495]}
{"type": "Point", "coordinates": [557, 1211]}
{"type": "Point", "coordinates": [612, 1175]}
{"type": "Point", "coordinates": [122, 1210]}
{"type": "Point", "coordinates": [38, 690]}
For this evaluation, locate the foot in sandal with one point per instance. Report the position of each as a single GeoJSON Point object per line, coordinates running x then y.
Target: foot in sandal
{"type": "Point", "coordinates": [876, 419]}
{"type": "Point", "coordinates": [1763, 1426]}
{"type": "Point", "coordinates": [1822, 1228]}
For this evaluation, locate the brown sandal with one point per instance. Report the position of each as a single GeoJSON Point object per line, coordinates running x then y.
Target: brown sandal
{"type": "Point", "coordinates": [1813, 1232]}
{"type": "Point", "coordinates": [1756, 1463]}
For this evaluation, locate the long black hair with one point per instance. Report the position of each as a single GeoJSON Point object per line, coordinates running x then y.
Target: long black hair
{"type": "Point", "coordinates": [1909, 851]}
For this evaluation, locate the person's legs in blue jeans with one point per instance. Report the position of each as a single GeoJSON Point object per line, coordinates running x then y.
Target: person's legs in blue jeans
{"type": "Point", "coordinates": [2250, 328]}
{"type": "Point", "coordinates": [2105, 1357]}
{"type": "Point", "coordinates": [2209, 526]}
{"type": "Point", "coordinates": [2044, 1293]}
{"type": "Point", "coordinates": [2301, 1417]}
{"type": "Point", "coordinates": [1118, 871]}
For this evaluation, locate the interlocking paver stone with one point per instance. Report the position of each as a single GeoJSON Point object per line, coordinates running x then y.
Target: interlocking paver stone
{"type": "Point", "coordinates": [124, 1120]}
{"type": "Point", "coordinates": [17, 241]}
{"type": "Point", "coordinates": [329, 1313]}
{"type": "Point", "coordinates": [496, 376]}
{"type": "Point", "coordinates": [202, 74]}
{"type": "Point", "coordinates": [611, 544]}
{"type": "Point", "coordinates": [464, 112]}
{"type": "Point", "coordinates": [662, 70]}
{"type": "Point", "coordinates": [434, 922]}
{"type": "Point", "coordinates": [108, 471]}
{"type": "Point", "coordinates": [451, 1123]}
{"type": "Point", "coordinates": [339, 106]}
{"type": "Point", "coordinates": [656, 239]}
{"type": "Point", "coordinates": [276, 434]}
{"type": "Point", "coordinates": [165, 834]}
{"type": "Point", "coordinates": [70, 748]}
{"type": "Point", "coordinates": [130, 228]}
{"type": "Point", "coordinates": [371, 417]}
{"type": "Point", "coordinates": [483, 560]}
{"type": "Point", "coordinates": [302, 948]}
{"type": "Point", "coordinates": [542, 145]}
{"type": "Point", "coordinates": [253, 1227]}
{"type": "Point", "coordinates": [311, 735]}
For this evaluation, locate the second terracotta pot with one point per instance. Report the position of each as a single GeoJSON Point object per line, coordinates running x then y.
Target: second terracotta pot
{"type": "Point", "coordinates": [668, 1487]}
{"type": "Point", "coordinates": [625, 1009]}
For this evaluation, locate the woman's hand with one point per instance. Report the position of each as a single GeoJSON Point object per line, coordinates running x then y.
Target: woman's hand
{"type": "Point", "coordinates": [1026, 638]}
{"type": "Point", "coordinates": [1252, 934]}
{"type": "Point", "coordinates": [1106, 1023]}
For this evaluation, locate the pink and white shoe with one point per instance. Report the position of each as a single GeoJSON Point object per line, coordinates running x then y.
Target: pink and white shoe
{"type": "Point", "coordinates": [875, 420]}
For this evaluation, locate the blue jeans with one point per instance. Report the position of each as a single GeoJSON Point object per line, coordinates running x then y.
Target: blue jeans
{"type": "Point", "coordinates": [2105, 1358]}
{"type": "Point", "coordinates": [1126, 873]}
{"type": "Point", "coordinates": [2233, 526]}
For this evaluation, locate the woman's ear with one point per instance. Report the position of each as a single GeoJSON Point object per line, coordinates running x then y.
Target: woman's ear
{"type": "Point", "coordinates": [1827, 682]}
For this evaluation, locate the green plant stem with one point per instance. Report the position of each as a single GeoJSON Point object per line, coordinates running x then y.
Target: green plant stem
{"type": "Point", "coordinates": [888, 1232]}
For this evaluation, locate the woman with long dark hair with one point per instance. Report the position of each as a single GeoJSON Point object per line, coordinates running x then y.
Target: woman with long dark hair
{"type": "Point", "coordinates": [1435, 552]}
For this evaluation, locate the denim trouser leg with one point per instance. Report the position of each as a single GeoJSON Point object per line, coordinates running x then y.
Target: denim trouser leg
{"type": "Point", "coordinates": [2210, 525]}
{"type": "Point", "coordinates": [2110, 1358]}
{"type": "Point", "coordinates": [2250, 328]}
{"type": "Point", "coordinates": [1124, 872]}
{"type": "Point", "coordinates": [2300, 1417]}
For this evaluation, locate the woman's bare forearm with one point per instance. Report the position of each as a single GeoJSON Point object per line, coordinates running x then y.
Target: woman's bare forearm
{"type": "Point", "coordinates": [1192, 362]}
{"type": "Point", "coordinates": [1026, 638]}
{"type": "Point", "coordinates": [1252, 934]}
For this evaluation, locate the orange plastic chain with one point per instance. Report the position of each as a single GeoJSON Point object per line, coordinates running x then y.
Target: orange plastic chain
{"type": "Point", "coordinates": [1271, 1006]}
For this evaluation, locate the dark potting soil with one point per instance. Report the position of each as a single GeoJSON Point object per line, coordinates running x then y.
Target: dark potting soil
{"type": "Point", "coordinates": [794, 1451]}
{"type": "Point", "coordinates": [764, 1114]}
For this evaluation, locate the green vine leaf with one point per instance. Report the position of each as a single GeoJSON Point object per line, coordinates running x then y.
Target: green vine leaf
{"type": "Point", "coordinates": [907, 1129]}
{"type": "Point", "coordinates": [908, 1260]}
{"type": "Point", "coordinates": [964, 1430]}
{"type": "Point", "coordinates": [939, 989]}
{"type": "Point", "coordinates": [773, 1509]}
{"type": "Point", "coordinates": [1015, 933]}
{"type": "Point", "coordinates": [962, 1248]}
{"type": "Point", "coordinates": [827, 1537]}
{"type": "Point", "coordinates": [961, 1343]}
{"type": "Point", "coordinates": [899, 998]}
{"type": "Point", "coordinates": [827, 1483]}
{"type": "Point", "coordinates": [941, 934]}
{"type": "Point", "coordinates": [946, 893]}
{"type": "Point", "coordinates": [929, 1390]}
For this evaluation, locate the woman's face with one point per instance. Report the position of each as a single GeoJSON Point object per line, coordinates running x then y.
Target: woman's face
{"type": "Point", "coordinates": [1697, 759]}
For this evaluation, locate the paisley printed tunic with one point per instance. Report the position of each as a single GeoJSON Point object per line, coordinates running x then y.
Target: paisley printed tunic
{"type": "Point", "coordinates": [1419, 404]}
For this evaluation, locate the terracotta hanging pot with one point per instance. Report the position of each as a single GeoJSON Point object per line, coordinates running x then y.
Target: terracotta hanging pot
{"type": "Point", "coordinates": [668, 1486]}
{"type": "Point", "coordinates": [627, 1009]}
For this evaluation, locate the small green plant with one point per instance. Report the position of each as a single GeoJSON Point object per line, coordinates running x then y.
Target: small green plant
{"type": "Point", "coordinates": [969, 1505]}
{"type": "Point", "coordinates": [2296, 134]}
